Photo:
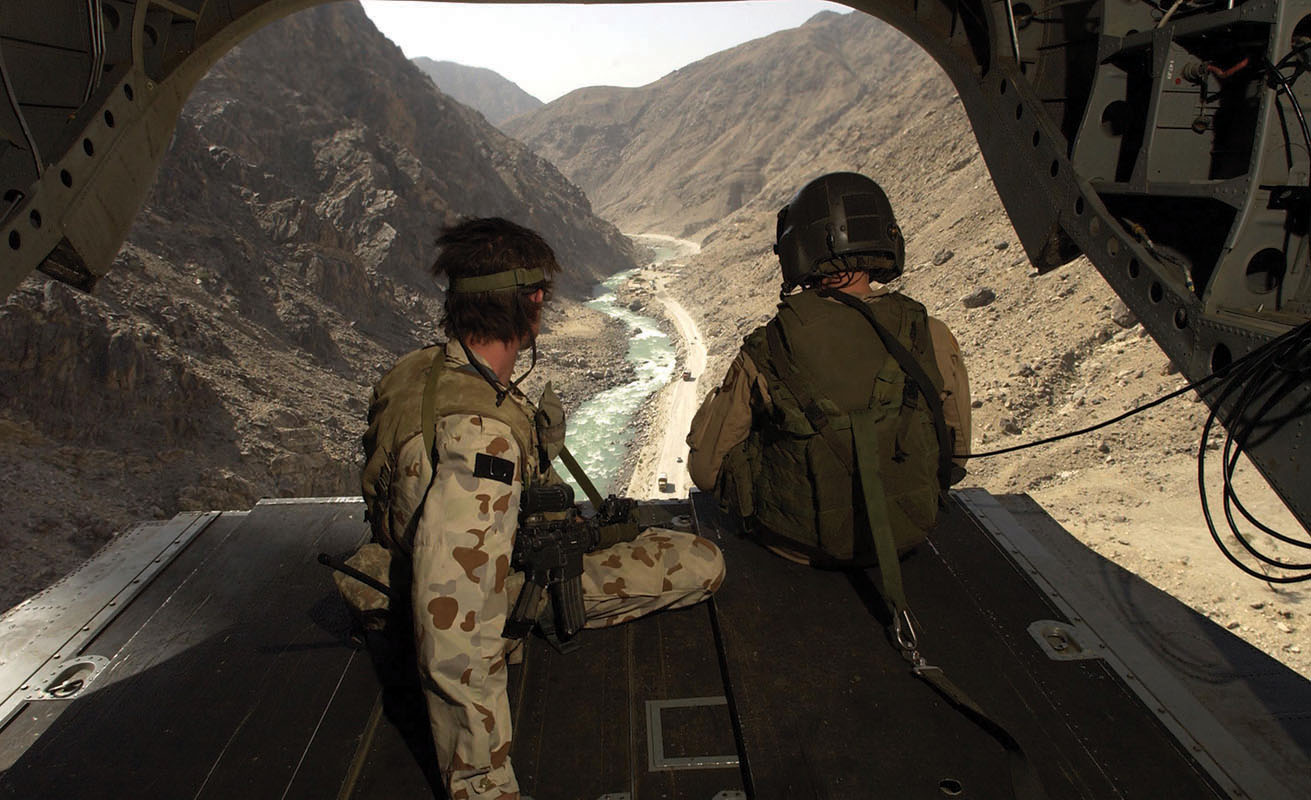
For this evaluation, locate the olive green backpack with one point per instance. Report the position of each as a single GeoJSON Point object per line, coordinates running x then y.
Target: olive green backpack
{"type": "Point", "coordinates": [854, 441]}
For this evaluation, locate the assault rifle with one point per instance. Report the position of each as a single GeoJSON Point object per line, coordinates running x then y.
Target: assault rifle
{"type": "Point", "coordinates": [550, 555]}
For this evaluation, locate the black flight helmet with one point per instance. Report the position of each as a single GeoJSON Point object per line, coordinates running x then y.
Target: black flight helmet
{"type": "Point", "coordinates": [839, 222]}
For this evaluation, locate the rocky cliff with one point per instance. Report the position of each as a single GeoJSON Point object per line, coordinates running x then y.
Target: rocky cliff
{"type": "Point", "coordinates": [277, 268]}
{"type": "Point", "coordinates": [497, 97]}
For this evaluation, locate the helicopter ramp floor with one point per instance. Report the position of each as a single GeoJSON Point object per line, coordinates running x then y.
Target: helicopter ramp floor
{"type": "Point", "coordinates": [209, 656]}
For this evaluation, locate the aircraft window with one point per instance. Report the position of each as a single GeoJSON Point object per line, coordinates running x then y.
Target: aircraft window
{"type": "Point", "coordinates": [35, 218]}
{"type": "Point", "coordinates": [1180, 318]}
{"type": "Point", "coordinates": [1133, 268]}
{"type": "Point", "coordinates": [1036, 138]}
{"type": "Point", "coordinates": [15, 241]}
{"type": "Point", "coordinates": [1156, 292]}
{"type": "Point", "coordinates": [88, 148]}
{"type": "Point", "coordinates": [1056, 167]}
{"type": "Point", "coordinates": [109, 118]}
{"type": "Point", "coordinates": [1019, 111]}
{"type": "Point", "coordinates": [66, 178]}
{"type": "Point", "coordinates": [951, 787]}
{"type": "Point", "coordinates": [1078, 206]}
{"type": "Point", "coordinates": [127, 91]}
{"type": "Point", "coordinates": [1002, 88]}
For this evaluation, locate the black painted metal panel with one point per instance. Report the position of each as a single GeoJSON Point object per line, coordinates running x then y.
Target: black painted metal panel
{"type": "Point", "coordinates": [221, 677]}
{"type": "Point", "coordinates": [827, 707]}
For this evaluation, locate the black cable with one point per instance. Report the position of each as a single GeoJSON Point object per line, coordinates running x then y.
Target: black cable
{"type": "Point", "coordinates": [1282, 367]}
{"type": "Point", "coordinates": [1080, 432]}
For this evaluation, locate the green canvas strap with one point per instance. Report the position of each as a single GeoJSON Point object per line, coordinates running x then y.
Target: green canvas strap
{"type": "Point", "coordinates": [428, 423]}
{"type": "Point", "coordinates": [498, 281]}
{"type": "Point", "coordinates": [428, 411]}
{"type": "Point", "coordinates": [865, 436]}
{"type": "Point", "coordinates": [915, 372]}
{"type": "Point", "coordinates": [576, 470]}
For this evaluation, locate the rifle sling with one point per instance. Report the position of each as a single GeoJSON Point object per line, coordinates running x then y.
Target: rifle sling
{"type": "Point", "coordinates": [576, 470]}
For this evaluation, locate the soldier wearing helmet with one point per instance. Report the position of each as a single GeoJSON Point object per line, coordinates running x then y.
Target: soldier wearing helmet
{"type": "Point", "coordinates": [451, 448]}
{"type": "Point", "coordinates": [841, 414]}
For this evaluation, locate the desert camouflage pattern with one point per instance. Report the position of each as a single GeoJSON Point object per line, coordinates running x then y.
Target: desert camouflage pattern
{"type": "Point", "coordinates": [463, 590]}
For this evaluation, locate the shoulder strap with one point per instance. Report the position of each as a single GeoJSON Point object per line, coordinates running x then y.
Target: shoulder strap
{"type": "Point", "coordinates": [428, 415]}
{"type": "Point", "coordinates": [428, 419]}
{"type": "Point", "coordinates": [916, 373]}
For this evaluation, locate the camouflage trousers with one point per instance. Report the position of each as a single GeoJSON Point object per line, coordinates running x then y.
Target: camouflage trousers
{"type": "Point", "coordinates": [660, 569]}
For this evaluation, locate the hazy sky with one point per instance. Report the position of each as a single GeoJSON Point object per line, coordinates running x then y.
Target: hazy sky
{"type": "Point", "coordinates": [550, 50]}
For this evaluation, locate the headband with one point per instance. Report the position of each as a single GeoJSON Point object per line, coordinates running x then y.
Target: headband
{"type": "Point", "coordinates": [498, 281]}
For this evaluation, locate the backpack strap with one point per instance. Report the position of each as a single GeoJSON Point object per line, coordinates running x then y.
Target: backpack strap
{"type": "Point", "coordinates": [916, 373]}
{"type": "Point", "coordinates": [1024, 779]}
{"type": "Point", "coordinates": [428, 421]}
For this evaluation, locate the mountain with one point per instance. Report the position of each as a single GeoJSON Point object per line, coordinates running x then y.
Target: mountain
{"type": "Point", "coordinates": [278, 266]}
{"type": "Point", "coordinates": [712, 152]}
{"type": "Point", "coordinates": [678, 155]}
{"type": "Point", "coordinates": [497, 97]}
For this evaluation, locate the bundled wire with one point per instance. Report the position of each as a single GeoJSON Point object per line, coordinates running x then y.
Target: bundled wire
{"type": "Point", "coordinates": [1257, 384]}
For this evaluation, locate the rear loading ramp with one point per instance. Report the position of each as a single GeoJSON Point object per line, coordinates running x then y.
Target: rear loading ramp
{"type": "Point", "coordinates": [231, 673]}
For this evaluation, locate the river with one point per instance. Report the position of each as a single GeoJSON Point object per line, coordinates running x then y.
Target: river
{"type": "Point", "coordinates": [601, 430]}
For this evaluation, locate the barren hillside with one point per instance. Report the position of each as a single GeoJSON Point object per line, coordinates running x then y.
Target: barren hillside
{"type": "Point", "coordinates": [496, 97]}
{"type": "Point", "coordinates": [1046, 354]}
{"type": "Point", "coordinates": [277, 269]}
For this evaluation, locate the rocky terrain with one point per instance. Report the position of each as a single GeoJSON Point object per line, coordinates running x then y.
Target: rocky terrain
{"type": "Point", "coordinates": [229, 355]}
{"type": "Point", "coordinates": [278, 267]}
{"type": "Point", "coordinates": [496, 97]}
{"type": "Point", "coordinates": [1046, 354]}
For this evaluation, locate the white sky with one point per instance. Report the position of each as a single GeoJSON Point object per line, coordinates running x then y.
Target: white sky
{"type": "Point", "coordinates": [550, 50]}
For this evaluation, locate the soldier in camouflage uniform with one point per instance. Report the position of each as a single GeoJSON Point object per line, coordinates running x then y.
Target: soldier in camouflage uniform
{"type": "Point", "coordinates": [489, 443]}
{"type": "Point", "coordinates": [835, 238]}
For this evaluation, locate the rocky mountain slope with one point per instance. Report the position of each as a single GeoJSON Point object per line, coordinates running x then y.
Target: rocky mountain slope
{"type": "Point", "coordinates": [680, 154]}
{"type": "Point", "coordinates": [497, 97]}
{"type": "Point", "coordinates": [277, 268]}
{"type": "Point", "coordinates": [1046, 354]}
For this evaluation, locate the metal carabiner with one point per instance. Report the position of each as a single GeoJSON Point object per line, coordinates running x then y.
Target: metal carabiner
{"type": "Point", "coordinates": [904, 630]}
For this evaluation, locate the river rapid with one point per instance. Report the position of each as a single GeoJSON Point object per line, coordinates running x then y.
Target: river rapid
{"type": "Point", "coordinates": [602, 430]}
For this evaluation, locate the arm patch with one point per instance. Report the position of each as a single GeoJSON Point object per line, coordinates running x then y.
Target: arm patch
{"type": "Point", "coordinates": [498, 469]}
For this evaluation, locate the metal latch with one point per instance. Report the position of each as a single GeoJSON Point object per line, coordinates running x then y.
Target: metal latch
{"type": "Point", "coordinates": [1064, 641]}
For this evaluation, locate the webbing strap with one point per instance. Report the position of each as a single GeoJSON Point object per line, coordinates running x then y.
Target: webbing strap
{"type": "Point", "coordinates": [428, 421]}
{"type": "Point", "coordinates": [1024, 778]}
{"type": "Point", "coordinates": [576, 470]}
{"type": "Point", "coordinates": [915, 372]}
{"type": "Point", "coordinates": [876, 507]}
{"type": "Point", "coordinates": [428, 412]}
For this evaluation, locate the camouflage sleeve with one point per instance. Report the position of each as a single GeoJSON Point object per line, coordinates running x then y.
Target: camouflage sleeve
{"type": "Point", "coordinates": [956, 384]}
{"type": "Point", "coordinates": [461, 561]}
{"type": "Point", "coordinates": [723, 421]}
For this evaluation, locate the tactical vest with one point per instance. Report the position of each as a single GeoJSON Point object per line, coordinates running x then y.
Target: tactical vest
{"type": "Point", "coordinates": [836, 393]}
{"type": "Point", "coordinates": [395, 417]}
